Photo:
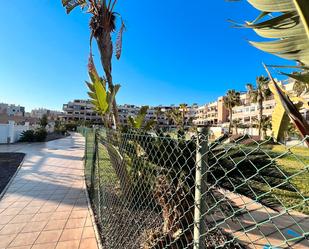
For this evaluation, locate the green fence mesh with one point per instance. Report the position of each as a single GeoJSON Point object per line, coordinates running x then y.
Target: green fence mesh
{"type": "Point", "coordinates": [155, 191]}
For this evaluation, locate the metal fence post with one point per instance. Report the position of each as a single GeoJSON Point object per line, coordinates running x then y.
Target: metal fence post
{"type": "Point", "coordinates": [200, 188]}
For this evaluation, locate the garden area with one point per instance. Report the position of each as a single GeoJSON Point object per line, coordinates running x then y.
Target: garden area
{"type": "Point", "coordinates": [137, 216]}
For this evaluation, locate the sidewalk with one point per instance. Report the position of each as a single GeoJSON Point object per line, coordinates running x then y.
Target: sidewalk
{"type": "Point", "coordinates": [46, 207]}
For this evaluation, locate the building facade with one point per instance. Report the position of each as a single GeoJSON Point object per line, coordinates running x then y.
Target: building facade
{"type": "Point", "coordinates": [12, 110]}
{"type": "Point", "coordinates": [39, 113]}
{"type": "Point", "coordinates": [80, 110]}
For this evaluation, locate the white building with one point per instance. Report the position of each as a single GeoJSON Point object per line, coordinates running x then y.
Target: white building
{"type": "Point", "coordinates": [12, 110]}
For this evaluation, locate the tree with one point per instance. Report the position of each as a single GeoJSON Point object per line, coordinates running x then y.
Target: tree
{"type": "Point", "coordinates": [236, 124]}
{"type": "Point", "coordinates": [184, 109]}
{"type": "Point", "coordinates": [102, 25]}
{"type": "Point", "coordinates": [158, 112]}
{"type": "Point", "coordinates": [44, 121]}
{"type": "Point", "coordinates": [231, 100]}
{"type": "Point", "coordinates": [176, 116]}
{"type": "Point", "coordinates": [258, 95]}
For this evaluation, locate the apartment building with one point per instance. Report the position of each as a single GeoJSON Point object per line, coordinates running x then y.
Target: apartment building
{"type": "Point", "coordinates": [12, 110]}
{"type": "Point", "coordinates": [213, 113]}
{"type": "Point", "coordinates": [125, 111]}
{"type": "Point", "coordinates": [39, 113]}
{"type": "Point", "coordinates": [80, 110]}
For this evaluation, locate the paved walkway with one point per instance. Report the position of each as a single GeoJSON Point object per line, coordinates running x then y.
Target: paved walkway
{"type": "Point", "coordinates": [46, 207]}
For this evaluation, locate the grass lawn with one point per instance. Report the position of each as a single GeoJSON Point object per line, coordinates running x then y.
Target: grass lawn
{"type": "Point", "coordinates": [295, 162]}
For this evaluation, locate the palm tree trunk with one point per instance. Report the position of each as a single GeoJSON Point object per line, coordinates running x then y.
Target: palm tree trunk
{"type": "Point", "coordinates": [231, 120]}
{"type": "Point", "coordinates": [260, 118]}
{"type": "Point", "coordinates": [105, 46]}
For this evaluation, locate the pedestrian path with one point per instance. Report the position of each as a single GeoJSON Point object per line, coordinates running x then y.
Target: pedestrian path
{"type": "Point", "coordinates": [45, 206]}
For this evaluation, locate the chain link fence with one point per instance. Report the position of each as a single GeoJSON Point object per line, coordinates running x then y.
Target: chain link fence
{"type": "Point", "coordinates": [152, 191]}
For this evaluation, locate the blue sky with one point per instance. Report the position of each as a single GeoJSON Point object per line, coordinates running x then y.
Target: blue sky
{"type": "Point", "coordinates": [174, 51]}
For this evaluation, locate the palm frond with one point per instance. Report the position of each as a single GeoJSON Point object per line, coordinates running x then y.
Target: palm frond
{"type": "Point", "coordinates": [119, 41]}
{"type": "Point", "coordinates": [72, 4]}
{"type": "Point", "coordinates": [290, 28]}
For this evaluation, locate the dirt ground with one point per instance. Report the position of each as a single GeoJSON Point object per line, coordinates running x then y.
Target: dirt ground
{"type": "Point", "coordinates": [9, 163]}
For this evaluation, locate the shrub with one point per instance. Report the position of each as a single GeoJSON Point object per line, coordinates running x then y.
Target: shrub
{"type": "Point", "coordinates": [71, 127]}
{"type": "Point", "coordinates": [27, 136]}
{"type": "Point", "coordinates": [38, 135]}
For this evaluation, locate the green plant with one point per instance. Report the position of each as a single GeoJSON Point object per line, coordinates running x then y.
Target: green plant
{"type": "Point", "coordinates": [44, 121]}
{"type": "Point", "coordinates": [102, 25]}
{"type": "Point", "coordinates": [101, 98]}
{"type": "Point", "coordinates": [231, 100]}
{"type": "Point", "coordinates": [27, 136]}
{"type": "Point", "coordinates": [40, 135]}
{"type": "Point", "coordinates": [140, 122]}
{"type": "Point", "coordinates": [228, 167]}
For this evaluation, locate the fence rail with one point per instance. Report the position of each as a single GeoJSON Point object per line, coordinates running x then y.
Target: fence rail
{"type": "Point", "coordinates": [152, 191]}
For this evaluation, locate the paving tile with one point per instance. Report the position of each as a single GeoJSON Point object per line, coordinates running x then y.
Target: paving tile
{"type": "Point", "coordinates": [42, 216]}
{"type": "Point", "coordinates": [48, 236]}
{"type": "Point", "coordinates": [73, 244]}
{"type": "Point", "coordinates": [12, 228]}
{"type": "Point", "coordinates": [19, 204]}
{"type": "Point", "coordinates": [21, 218]}
{"type": "Point", "coordinates": [21, 247]}
{"type": "Point", "coordinates": [88, 232]}
{"type": "Point", "coordinates": [4, 219]}
{"type": "Point", "coordinates": [11, 211]}
{"type": "Point", "coordinates": [71, 234]}
{"type": "Point", "coordinates": [44, 246]}
{"type": "Point", "coordinates": [79, 214]}
{"type": "Point", "coordinates": [48, 208]}
{"type": "Point", "coordinates": [36, 226]}
{"type": "Point", "coordinates": [75, 223]}
{"type": "Point", "coordinates": [60, 215]}
{"type": "Point", "coordinates": [30, 210]}
{"type": "Point", "coordinates": [24, 239]}
{"type": "Point", "coordinates": [88, 221]}
{"type": "Point", "coordinates": [90, 243]}
{"type": "Point", "coordinates": [55, 225]}
{"type": "Point", "coordinates": [5, 240]}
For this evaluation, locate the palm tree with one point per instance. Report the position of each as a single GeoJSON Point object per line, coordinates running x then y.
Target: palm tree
{"type": "Point", "coordinates": [102, 25]}
{"type": "Point", "coordinates": [158, 112]}
{"type": "Point", "coordinates": [236, 124]}
{"type": "Point", "coordinates": [258, 95]}
{"type": "Point", "coordinates": [184, 109]}
{"type": "Point", "coordinates": [265, 125]}
{"type": "Point", "coordinates": [177, 117]}
{"type": "Point", "coordinates": [231, 100]}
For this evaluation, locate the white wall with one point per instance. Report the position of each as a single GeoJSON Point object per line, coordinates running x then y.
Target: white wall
{"type": "Point", "coordinates": [4, 132]}
{"type": "Point", "coordinates": [11, 132]}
